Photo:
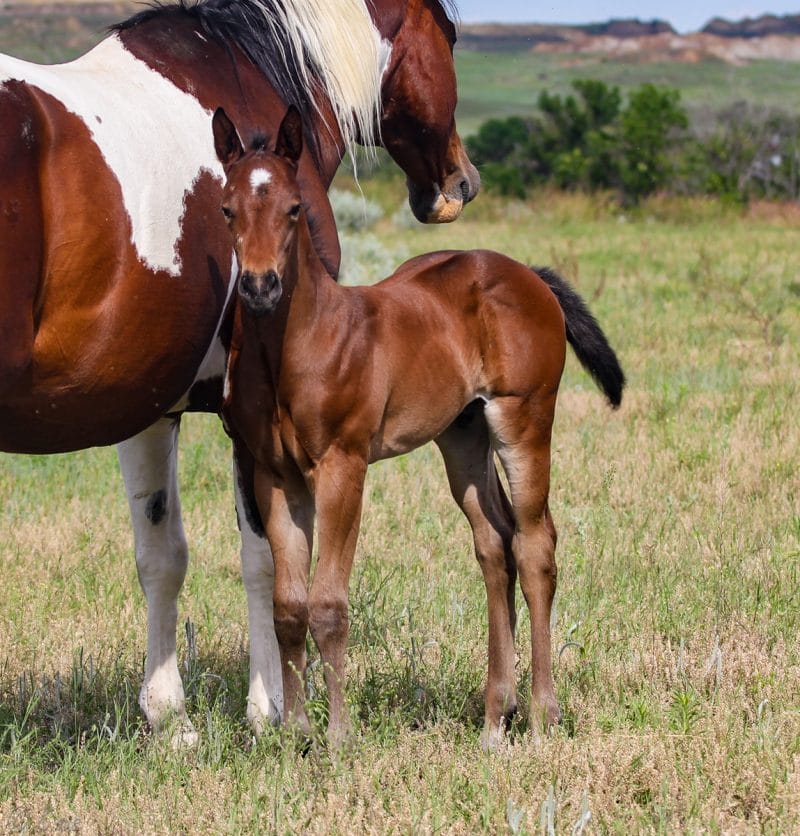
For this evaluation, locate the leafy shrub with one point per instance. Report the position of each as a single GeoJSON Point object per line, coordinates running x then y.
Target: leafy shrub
{"type": "Point", "coordinates": [749, 153]}
{"type": "Point", "coordinates": [592, 140]}
{"type": "Point", "coordinates": [586, 141]}
{"type": "Point", "coordinates": [366, 260]}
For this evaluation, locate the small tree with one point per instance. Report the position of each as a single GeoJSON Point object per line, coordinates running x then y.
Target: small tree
{"type": "Point", "coordinates": [648, 127]}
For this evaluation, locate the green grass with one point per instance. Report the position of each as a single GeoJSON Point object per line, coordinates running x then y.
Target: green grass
{"type": "Point", "coordinates": [677, 663]}
{"type": "Point", "coordinates": [505, 84]}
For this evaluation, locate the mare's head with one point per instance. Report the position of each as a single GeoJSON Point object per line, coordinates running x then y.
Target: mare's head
{"type": "Point", "coordinates": [262, 206]}
{"type": "Point", "coordinates": [418, 94]}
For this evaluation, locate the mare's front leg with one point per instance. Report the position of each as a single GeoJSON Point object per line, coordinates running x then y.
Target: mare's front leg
{"type": "Point", "coordinates": [265, 695]}
{"type": "Point", "coordinates": [288, 513]}
{"type": "Point", "coordinates": [338, 484]}
{"type": "Point", "coordinates": [149, 468]}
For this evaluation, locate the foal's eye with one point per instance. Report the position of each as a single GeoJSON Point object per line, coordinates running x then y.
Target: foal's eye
{"type": "Point", "coordinates": [227, 212]}
{"type": "Point", "coordinates": [294, 212]}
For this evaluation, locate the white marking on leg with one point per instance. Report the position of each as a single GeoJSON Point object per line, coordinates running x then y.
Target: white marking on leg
{"type": "Point", "coordinates": [149, 468]}
{"type": "Point", "coordinates": [265, 696]}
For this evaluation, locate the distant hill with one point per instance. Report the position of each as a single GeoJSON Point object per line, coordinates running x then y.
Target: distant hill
{"type": "Point", "coordinates": [754, 27]}
{"type": "Point", "coordinates": [766, 37]}
{"type": "Point", "coordinates": [46, 30]}
{"type": "Point", "coordinates": [508, 37]}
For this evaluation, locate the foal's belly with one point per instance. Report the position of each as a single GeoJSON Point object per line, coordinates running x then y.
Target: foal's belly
{"type": "Point", "coordinates": [417, 422]}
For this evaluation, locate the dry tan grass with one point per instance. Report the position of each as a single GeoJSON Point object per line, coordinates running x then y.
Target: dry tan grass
{"type": "Point", "coordinates": [677, 612]}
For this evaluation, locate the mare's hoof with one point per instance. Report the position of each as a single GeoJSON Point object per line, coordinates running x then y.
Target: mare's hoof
{"type": "Point", "coordinates": [183, 737]}
{"type": "Point", "coordinates": [342, 739]}
{"type": "Point", "coordinates": [260, 720]}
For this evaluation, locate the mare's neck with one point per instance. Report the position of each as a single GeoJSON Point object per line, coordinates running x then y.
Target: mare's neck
{"type": "Point", "coordinates": [330, 145]}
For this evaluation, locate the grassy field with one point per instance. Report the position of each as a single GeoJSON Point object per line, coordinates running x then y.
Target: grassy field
{"type": "Point", "coordinates": [505, 84]}
{"type": "Point", "coordinates": [677, 662]}
{"type": "Point", "coordinates": [677, 659]}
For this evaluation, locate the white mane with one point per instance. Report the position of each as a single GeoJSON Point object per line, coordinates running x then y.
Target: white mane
{"type": "Point", "coordinates": [339, 40]}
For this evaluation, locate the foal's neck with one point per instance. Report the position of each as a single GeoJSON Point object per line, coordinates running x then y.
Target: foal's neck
{"type": "Point", "coordinates": [308, 287]}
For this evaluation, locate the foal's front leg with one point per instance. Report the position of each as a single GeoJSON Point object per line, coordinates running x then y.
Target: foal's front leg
{"type": "Point", "coordinates": [338, 484]}
{"type": "Point", "coordinates": [288, 514]}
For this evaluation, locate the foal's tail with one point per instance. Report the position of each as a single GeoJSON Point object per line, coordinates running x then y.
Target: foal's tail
{"type": "Point", "coordinates": [586, 337]}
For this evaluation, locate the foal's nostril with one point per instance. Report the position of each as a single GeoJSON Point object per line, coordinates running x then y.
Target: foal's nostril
{"type": "Point", "coordinates": [248, 283]}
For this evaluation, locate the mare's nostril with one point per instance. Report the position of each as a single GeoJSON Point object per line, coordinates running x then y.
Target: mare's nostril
{"type": "Point", "coordinates": [464, 187]}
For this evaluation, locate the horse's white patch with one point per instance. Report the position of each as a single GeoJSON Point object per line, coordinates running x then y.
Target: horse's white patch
{"type": "Point", "coordinates": [259, 177]}
{"type": "Point", "coordinates": [156, 139]}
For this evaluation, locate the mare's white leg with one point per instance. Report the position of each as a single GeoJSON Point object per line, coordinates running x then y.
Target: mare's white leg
{"type": "Point", "coordinates": [149, 468]}
{"type": "Point", "coordinates": [265, 696]}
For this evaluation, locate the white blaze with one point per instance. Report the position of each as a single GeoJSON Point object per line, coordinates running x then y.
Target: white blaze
{"type": "Point", "coordinates": [156, 139]}
{"type": "Point", "coordinates": [259, 177]}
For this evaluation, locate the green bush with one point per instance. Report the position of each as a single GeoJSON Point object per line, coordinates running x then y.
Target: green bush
{"type": "Point", "coordinates": [586, 141]}
{"type": "Point", "coordinates": [593, 140]}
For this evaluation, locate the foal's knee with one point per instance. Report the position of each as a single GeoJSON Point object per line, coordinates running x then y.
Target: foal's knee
{"type": "Point", "coordinates": [328, 618]}
{"type": "Point", "coordinates": [535, 554]}
{"type": "Point", "coordinates": [291, 619]}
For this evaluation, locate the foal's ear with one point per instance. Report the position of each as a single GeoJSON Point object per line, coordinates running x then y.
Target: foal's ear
{"type": "Point", "coordinates": [290, 136]}
{"type": "Point", "coordinates": [226, 141]}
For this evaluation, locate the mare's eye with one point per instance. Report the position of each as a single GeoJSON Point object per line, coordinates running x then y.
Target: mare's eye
{"type": "Point", "coordinates": [294, 212]}
{"type": "Point", "coordinates": [228, 213]}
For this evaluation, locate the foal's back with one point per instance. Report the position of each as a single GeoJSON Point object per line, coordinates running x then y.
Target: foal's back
{"type": "Point", "coordinates": [474, 317]}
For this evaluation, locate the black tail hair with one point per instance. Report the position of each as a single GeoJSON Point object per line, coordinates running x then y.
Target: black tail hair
{"type": "Point", "coordinates": [586, 337]}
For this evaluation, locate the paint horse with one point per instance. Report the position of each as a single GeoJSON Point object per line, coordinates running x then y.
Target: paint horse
{"type": "Point", "coordinates": [462, 348]}
{"type": "Point", "coordinates": [116, 269]}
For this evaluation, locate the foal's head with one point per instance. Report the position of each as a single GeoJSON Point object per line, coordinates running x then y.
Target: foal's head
{"type": "Point", "coordinates": [261, 204]}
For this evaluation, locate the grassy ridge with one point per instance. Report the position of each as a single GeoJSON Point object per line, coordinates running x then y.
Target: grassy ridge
{"type": "Point", "coordinates": [677, 617]}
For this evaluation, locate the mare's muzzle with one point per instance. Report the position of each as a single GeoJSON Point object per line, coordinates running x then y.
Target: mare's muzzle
{"type": "Point", "coordinates": [260, 292]}
{"type": "Point", "coordinates": [442, 204]}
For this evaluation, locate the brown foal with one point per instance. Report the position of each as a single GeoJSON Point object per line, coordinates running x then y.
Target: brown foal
{"type": "Point", "coordinates": [462, 348]}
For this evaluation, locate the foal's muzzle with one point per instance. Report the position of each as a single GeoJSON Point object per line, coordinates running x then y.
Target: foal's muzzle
{"type": "Point", "coordinates": [260, 292]}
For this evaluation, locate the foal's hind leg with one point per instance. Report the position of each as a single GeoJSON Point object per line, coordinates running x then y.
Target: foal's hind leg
{"type": "Point", "coordinates": [476, 488]}
{"type": "Point", "coordinates": [149, 468]}
{"type": "Point", "coordinates": [521, 430]}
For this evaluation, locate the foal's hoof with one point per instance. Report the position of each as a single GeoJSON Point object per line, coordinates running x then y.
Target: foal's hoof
{"type": "Point", "coordinates": [545, 714]}
{"type": "Point", "coordinates": [341, 739]}
{"type": "Point", "coordinates": [492, 737]}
